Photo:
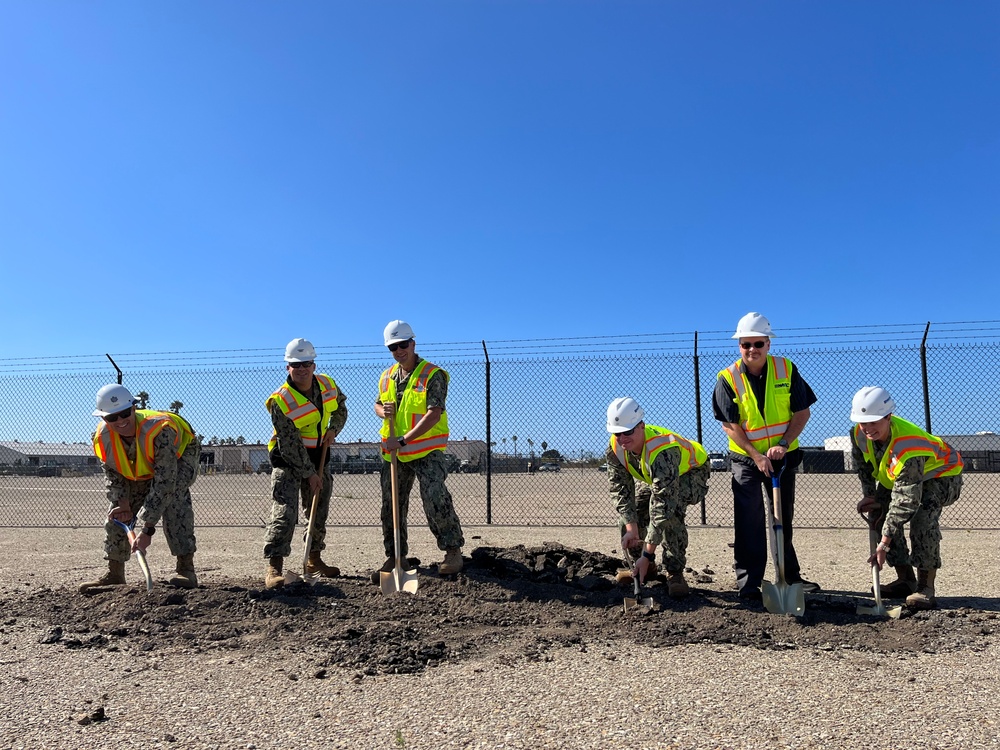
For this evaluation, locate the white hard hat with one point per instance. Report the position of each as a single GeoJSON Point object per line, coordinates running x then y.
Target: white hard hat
{"type": "Point", "coordinates": [753, 324]}
{"type": "Point", "coordinates": [624, 414]}
{"type": "Point", "coordinates": [397, 330]}
{"type": "Point", "coordinates": [871, 403]}
{"type": "Point", "coordinates": [300, 350]}
{"type": "Point", "coordinates": [111, 399]}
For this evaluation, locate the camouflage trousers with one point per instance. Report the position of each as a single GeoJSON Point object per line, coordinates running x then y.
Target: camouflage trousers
{"type": "Point", "coordinates": [287, 491]}
{"type": "Point", "coordinates": [431, 472]}
{"type": "Point", "coordinates": [178, 514]}
{"type": "Point", "coordinates": [692, 487]}
{"type": "Point", "coordinates": [924, 552]}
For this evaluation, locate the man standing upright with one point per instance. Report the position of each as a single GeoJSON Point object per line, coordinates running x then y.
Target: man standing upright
{"type": "Point", "coordinates": [299, 410]}
{"type": "Point", "coordinates": [412, 393]}
{"type": "Point", "coordinates": [763, 404]}
{"type": "Point", "coordinates": [150, 461]}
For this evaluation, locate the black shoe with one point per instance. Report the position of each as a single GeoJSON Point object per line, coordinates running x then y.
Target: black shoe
{"type": "Point", "coordinates": [751, 595]}
{"type": "Point", "coordinates": [807, 586]}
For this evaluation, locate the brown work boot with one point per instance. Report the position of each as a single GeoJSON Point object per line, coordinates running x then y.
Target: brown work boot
{"type": "Point", "coordinates": [387, 566]}
{"type": "Point", "coordinates": [316, 567]}
{"type": "Point", "coordinates": [186, 578]}
{"type": "Point", "coordinates": [677, 587]}
{"type": "Point", "coordinates": [452, 562]}
{"type": "Point", "coordinates": [274, 579]}
{"type": "Point", "coordinates": [904, 585]}
{"type": "Point", "coordinates": [624, 576]}
{"type": "Point", "coordinates": [923, 598]}
{"type": "Point", "coordinates": [114, 577]}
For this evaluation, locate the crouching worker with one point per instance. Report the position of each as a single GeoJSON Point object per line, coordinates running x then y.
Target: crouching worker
{"type": "Point", "coordinates": [150, 461]}
{"type": "Point", "coordinates": [676, 469]}
{"type": "Point", "coordinates": [907, 476]}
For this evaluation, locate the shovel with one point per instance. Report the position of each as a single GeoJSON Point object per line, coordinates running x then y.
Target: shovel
{"type": "Point", "coordinates": [879, 608]}
{"type": "Point", "coordinates": [635, 601]}
{"type": "Point", "coordinates": [397, 579]}
{"type": "Point", "coordinates": [780, 597]}
{"type": "Point", "coordinates": [312, 516]}
{"type": "Point", "coordinates": [140, 556]}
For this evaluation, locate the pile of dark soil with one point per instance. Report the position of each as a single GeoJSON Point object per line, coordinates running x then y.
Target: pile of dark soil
{"type": "Point", "coordinates": [508, 604]}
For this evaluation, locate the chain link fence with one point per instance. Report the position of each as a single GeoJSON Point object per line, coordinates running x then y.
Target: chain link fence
{"type": "Point", "coordinates": [526, 420]}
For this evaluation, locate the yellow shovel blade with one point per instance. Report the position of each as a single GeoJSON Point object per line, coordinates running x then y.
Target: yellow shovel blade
{"type": "Point", "coordinates": [399, 580]}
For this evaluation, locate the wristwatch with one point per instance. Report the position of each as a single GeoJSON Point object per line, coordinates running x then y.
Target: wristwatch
{"type": "Point", "coordinates": [401, 441]}
{"type": "Point", "coordinates": [649, 556]}
{"type": "Point", "coordinates": [783, 443]}
{"type": "Point", "coordinates": [149, 530]}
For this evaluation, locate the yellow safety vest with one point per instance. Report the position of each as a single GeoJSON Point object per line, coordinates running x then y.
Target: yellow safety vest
{"type": "Point", "coordinates": [906, 441]}
{"type": "Point", "coordinates": [110, 448]}
{"type": "Point", "coordinates": [763, 430]}
{"type": "Point", "coordinates": [659, 439]}
{"type": "Point", "coordinates": [303, 412]}
{"type": "Point", "coordinates": [412, 407]}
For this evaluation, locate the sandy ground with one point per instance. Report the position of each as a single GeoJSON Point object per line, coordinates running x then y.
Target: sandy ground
{"type": "Point", "coordinates": [524, 664]}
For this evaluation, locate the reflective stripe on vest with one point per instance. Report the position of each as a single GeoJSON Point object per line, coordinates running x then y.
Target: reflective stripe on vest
{"type": "Point", "coordinates": [411, 410]}
{"type": "Point", "coordinates": [303, 412]}
{"type": "Point", "coordinates": [658, 439]}
{"type": "Point", "coordinates": [110, 448]}
{"type": "Point", "coordinates": [763, 430]}
{"type": "Point", "coordinates": [908, 441]}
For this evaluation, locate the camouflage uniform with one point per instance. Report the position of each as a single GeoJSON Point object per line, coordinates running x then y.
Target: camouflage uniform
{"type": "Point", "coordinates": [912, 499]}
{"type": "Point", "coordinates": [660, 511]}
{"type": "Point", "coordinates": [167, 495]}
{"type": "Point", "coordinates": [293, 465]}
{"type": "Point", "coordinates": [431, 472]}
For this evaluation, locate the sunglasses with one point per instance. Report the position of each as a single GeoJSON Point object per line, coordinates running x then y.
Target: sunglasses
{"type": "Point", "coordinates": [626, 433]}
{"type": "Point", "coordinates": [748, 345]}
{"type": "Point", "coordinates": [300, 365]}
{"type": "Point", "coordinates": [400, 345]}
{"type": "Point", "coordinates": [112, 418]}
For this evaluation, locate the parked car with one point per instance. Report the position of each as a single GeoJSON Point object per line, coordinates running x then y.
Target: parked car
{"type": "Point", "coordinates": [549, 467]}
{"type": "Point", "coordinates": [603, 468]}
{"type": "Point", "coordinates": [718, 461]}
{"type": "Point", "coordinates": [264, 468]}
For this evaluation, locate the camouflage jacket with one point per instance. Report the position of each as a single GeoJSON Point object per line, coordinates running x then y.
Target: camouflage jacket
{"type": "Point", "coordinates": [903, 500]}
{"type": "Point", "coordinates": [664, 471]}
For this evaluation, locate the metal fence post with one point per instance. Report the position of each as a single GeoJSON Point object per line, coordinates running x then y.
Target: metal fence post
{"type": "Point", "coordinates": [117, 368]}
{"type": "Point", "coordinates": [697, 411]}
{"type": "Point", "coordinates": [923, 369]}
{"type": "Point", "coordinates": [489, 444]}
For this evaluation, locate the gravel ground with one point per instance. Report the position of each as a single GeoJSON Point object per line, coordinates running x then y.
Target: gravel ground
{"type": "Point", "coordinates": [602, 691]}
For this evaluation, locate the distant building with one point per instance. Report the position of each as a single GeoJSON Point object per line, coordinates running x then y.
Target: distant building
{"type": "Point", "coordinates": [16, 453]}
{"type": "Point", "coordinates": [981, 451]}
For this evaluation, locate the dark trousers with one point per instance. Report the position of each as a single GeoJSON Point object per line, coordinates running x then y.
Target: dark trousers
{"type": "Point", "coordinates": [750, 524]}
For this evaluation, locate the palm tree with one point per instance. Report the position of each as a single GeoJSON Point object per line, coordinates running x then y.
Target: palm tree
{"type": "Point", "coordinates": [143, 398]}
{"type": "Point", "coordinates": [545, 446]}
{"type": "Point", "coordinates": [504, 440]}
{"type": "Point", "coordinates": [531, 447]}
{"type": "Point", "coordinates": [514, 438]}
{"type": "Point", "coordinates": [241, 440]}
{"type": "Point", "coordinates": [176, 407]}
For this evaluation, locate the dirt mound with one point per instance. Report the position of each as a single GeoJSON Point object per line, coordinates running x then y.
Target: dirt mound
{"type": "Point", "coordinates": [508, 604]}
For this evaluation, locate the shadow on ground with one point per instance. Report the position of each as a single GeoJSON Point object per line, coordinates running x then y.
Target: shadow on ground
{"type": "Point", "coordinates": [509, 604]}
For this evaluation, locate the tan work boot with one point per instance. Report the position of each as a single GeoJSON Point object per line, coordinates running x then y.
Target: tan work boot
{"type": "Point", "coordinates": [114, 577]}
{"type": "Point", "coordinates": [186, 578]}
{"type": "Point", "coordinates": [677, 587]}
{"type": "Point", "coordinates": [923, 598]}
{"type": "Point", "coordinates": [316, 567]}
{"type": "Point", "coordinates": [387, 566]}
{"type": "Point", "coordinates": [452, 562]}
{"type": "Point", "coordinates": [904, 585]}
{"type": "Point", "coordinates": [274, 579]}
{"type": "Point", "coordinates": [624, 576]}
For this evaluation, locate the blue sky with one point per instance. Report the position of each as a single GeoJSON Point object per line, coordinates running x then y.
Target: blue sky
{"type": "Point", "coordinates": [219, 175]}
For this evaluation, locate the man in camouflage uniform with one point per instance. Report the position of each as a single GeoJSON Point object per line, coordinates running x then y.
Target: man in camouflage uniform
{"type": "Point", "coordinates": [676, 468]}
{"type": "Point", "coordinates": [150, 460]}
{"type": "Point", "coordinates": [412, 393]}
{"type": "Point", "coordinates": [298, 410]}
{"type": "Point", "coordinates": [907, 476]}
